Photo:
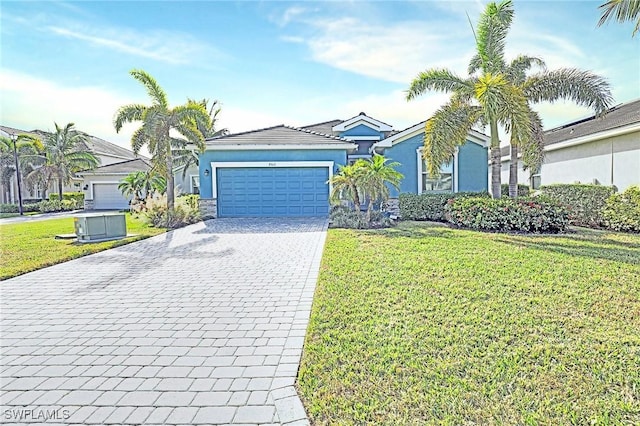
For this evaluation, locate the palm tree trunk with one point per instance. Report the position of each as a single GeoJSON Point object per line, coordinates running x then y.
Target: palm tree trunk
{"type": "Point", "coordinates": [356, 202]}
{"type": "Point", "coordinates": [60, 190]}
{"type": "Point", "coordinates": [369, 209]}
{"type": "Point", "coordinates": [495, 160]}
{"type": "Point", "coordinates": [170, 182]}
{"type": "Point", "coordinates": [513, 172]}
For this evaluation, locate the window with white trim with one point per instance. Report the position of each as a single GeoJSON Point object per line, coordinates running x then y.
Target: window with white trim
{"type": "Point", "coordinates": [195, 184]}
{"type": "Point", "coordinates": [441, 183]}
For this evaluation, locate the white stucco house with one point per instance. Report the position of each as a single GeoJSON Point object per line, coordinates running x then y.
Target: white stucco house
{"type": "Point", "coordinates": [100, 186]}
{"type": "Point", "coordinates": [596, 150]}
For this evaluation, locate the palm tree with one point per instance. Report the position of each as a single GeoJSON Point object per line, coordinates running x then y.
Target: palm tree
{"type": "Point", "coordinates": [582, 87]}
{"type": "Point", "coordinates": [377, 175]}
{"type": "Point", "coordinates": [158, 120]}
{"type": "Point", "coordinates": [346, 184]}
{"type": "Point", "coordinates": [17, 158]}
{"type": "Point", "coordinates": [186, 158]}
{"type": "Point", "coordinates": [141, 184]}
{"type": "Point", "coordinates": [621, 11]}
{"type": "Point", "coordinates": [483, 98]}
{"type": "Point", "coordinates": [64, 155]}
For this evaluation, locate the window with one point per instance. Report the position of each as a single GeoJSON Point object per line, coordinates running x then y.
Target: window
{"type": "Point", "coordinates": [195, 184]}
{"type": "Point", "coordinates": [443, 182]}
{"type": "Point", "coordinates": [535, 181]}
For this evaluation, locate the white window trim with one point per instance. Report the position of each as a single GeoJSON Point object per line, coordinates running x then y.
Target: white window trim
{"type": "Point", "coordinates": [265, 164]}
{"type": "Point", "coordinates": [191, 176]}
{"type": "Point", "coordinates": [454, 175]}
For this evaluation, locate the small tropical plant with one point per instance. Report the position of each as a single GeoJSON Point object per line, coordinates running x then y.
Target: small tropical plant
{"type": "Point", "coordinates": [376, 177]}
{"type": "Point", "coordinates": [365, 180]}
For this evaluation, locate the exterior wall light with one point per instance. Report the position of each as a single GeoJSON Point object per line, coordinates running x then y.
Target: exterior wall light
{"type": "Point", "coordinates": [206, 172]}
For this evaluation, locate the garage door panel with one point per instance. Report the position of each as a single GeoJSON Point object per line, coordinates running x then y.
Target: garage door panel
{"type": "Point", "coordinates": [295, 191]}
{"type": "Point", "coordinates": [107, 196]}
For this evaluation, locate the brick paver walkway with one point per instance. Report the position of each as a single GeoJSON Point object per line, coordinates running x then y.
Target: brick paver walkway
{"type": "Point", "coordinates": [203, 325]}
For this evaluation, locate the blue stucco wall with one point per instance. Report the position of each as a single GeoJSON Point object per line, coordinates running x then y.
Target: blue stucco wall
{"type": "Point", "coordinates": [361, 130]}
{"type": "Point", "coordinates": [474, 169]}
{"type": "Point", "coordinates": [338, 156]}
{"type": "Point", "coordinates": [405, 154]}
{"type": "Point", "coordinates": [472, 163]}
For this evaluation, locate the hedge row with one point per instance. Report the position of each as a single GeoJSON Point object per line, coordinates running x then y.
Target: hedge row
{"type": "Point", "coordinates": [622, 211]}
{"type": "Point", "coordinates": [44, 206]}
{"type": "Point", "coordinates": [585, 203]}
{"type": "Point", "coordinates": [523, 190]}
{"type": "Point", "coordinates": [430, 206]}
{"type": "Point", "coordinates": [78, 197]}
{"type": "Point", "coordinates": [506, 214]}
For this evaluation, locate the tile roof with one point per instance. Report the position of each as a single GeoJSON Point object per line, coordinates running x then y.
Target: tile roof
{"type": "Point", "coordinates": [618, 116]}
{"type": "Point", "coordinates": [278, 135]}
{"type": "Point", "coordinates": [94, 144]}
{"type": "Point", "coordinates": [324, 127]}
{"type": "Point", "coordinates": [123, 167]}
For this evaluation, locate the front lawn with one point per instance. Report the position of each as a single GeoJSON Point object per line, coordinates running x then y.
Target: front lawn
{"type": "Point", "coordinates": [28, 246]}
{"type": "Point", "coordinates": [422, 324]}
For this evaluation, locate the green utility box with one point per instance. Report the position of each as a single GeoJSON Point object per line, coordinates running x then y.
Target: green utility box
{"type": "Point", "coordinates": [96, 227]}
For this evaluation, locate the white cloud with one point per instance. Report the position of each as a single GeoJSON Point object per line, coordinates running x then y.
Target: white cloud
{"type": "Point", "coordinates": [393, 52]}
{"type": "Point", "coordinates": [30, 103]}
{"type": "Point", "coordinates": [163, 46]}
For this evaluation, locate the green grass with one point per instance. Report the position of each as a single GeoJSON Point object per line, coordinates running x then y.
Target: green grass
{"type": "Point", "coordinates": [8, 215]}
{"type": "Point", "coordinates": [422, 324]}
{"type": "Point", "coordinates": [28, 246]}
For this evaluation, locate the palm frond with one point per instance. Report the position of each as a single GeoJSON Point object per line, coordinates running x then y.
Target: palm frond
{"type": "Point", "coordinates": [128, 114]}
{"type": "Point", "coordinates": [493, 26]}
{"type": "Point", "coordinates": [582, 87]}
{"type": "Point", "coordinates": [441, 80]}
{"type": "Point", "coordinates": [445, 131]}
{"type": "Point", "coordinates": [156, 93]}
{"type": "Point", "coordinates": [621, 11]}
{"type": "Point", "coordinates": [533, 149]}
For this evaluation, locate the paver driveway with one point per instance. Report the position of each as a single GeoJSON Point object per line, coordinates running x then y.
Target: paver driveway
{"type": "Point", "coordinates": [203, 325]}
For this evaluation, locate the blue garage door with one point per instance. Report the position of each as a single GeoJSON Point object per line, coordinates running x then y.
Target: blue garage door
{"type": "Point", "coordinates": [273, 191]}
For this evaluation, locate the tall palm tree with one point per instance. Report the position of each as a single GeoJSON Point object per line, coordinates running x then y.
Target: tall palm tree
{"type": "Point", "coordinates": [485, 97]}
{"type": "Point", "coordinates": [158, 120]}
{"type": "Point", "coordinates": [377, 175]}
{"type": "Point", "coordinates": [621, 11]}
{"type": "Point", "coordinates": [65, 153]}
{"type": "Point", "coordinates": [346, 185]}
{"type": "Point", "coordinates": [582, 87]}
{"type": "Point", "coordinates": [27, 150]}
{"type": "Point", "coordinates": [186, 158]}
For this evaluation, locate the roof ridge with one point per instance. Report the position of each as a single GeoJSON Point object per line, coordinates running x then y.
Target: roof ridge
{"type": "Point", "coordinates": [323, 122]}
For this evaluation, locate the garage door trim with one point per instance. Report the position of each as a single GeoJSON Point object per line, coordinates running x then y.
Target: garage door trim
{"type": "Point", "coordinates": [265, 164]}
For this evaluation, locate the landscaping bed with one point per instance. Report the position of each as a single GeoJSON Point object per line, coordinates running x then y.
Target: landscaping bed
{"type": "Point", "coordinates": [424, 324]}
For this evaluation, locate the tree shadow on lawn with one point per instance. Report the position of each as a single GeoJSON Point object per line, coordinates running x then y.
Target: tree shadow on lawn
{"type": "Point", "coordinates": [415, 230]}
{"type": "Point", "coordinates": [583, 246]}
{"type": "Point", "coordinates": [128, 262]}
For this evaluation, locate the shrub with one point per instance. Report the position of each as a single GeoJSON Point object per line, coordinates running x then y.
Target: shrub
{"type": "Point", "coordinates": [430, 206]}
{"type": "Point", "coordinates": [523, 190]}
{"type": "Point", "coordinates": [50, 206]}
{"type": "Point", "coordinates": [506, 214]}
{"type": "Point", "coordinates": [13, 208]}
{"type": "Point", "coordinates": [158, 215]}
{"type": "Point", "coordinates": [622, 211]}
{"type": "Point", "coordinates": [584, 203]}
{"type": "Point", "coordinates": [344, 217]}
{"type": "Point", "coordinates": [76, 199]}
{"type": "Point", "coordinates": [8, 208]}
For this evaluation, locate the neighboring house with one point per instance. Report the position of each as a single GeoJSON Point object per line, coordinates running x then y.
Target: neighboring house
{"type": "Point", "coordinates": [107, 152]}
{"type": "Point", "coordinates": [100, 185]}
{"type": "Point", "coordinates": [284, 171]}
{"type": "Point", "coordinates": [596, 150]}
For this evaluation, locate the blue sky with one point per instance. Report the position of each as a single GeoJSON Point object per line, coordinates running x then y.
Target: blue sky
{"type": "Point", "coordinates": [279, 62]}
